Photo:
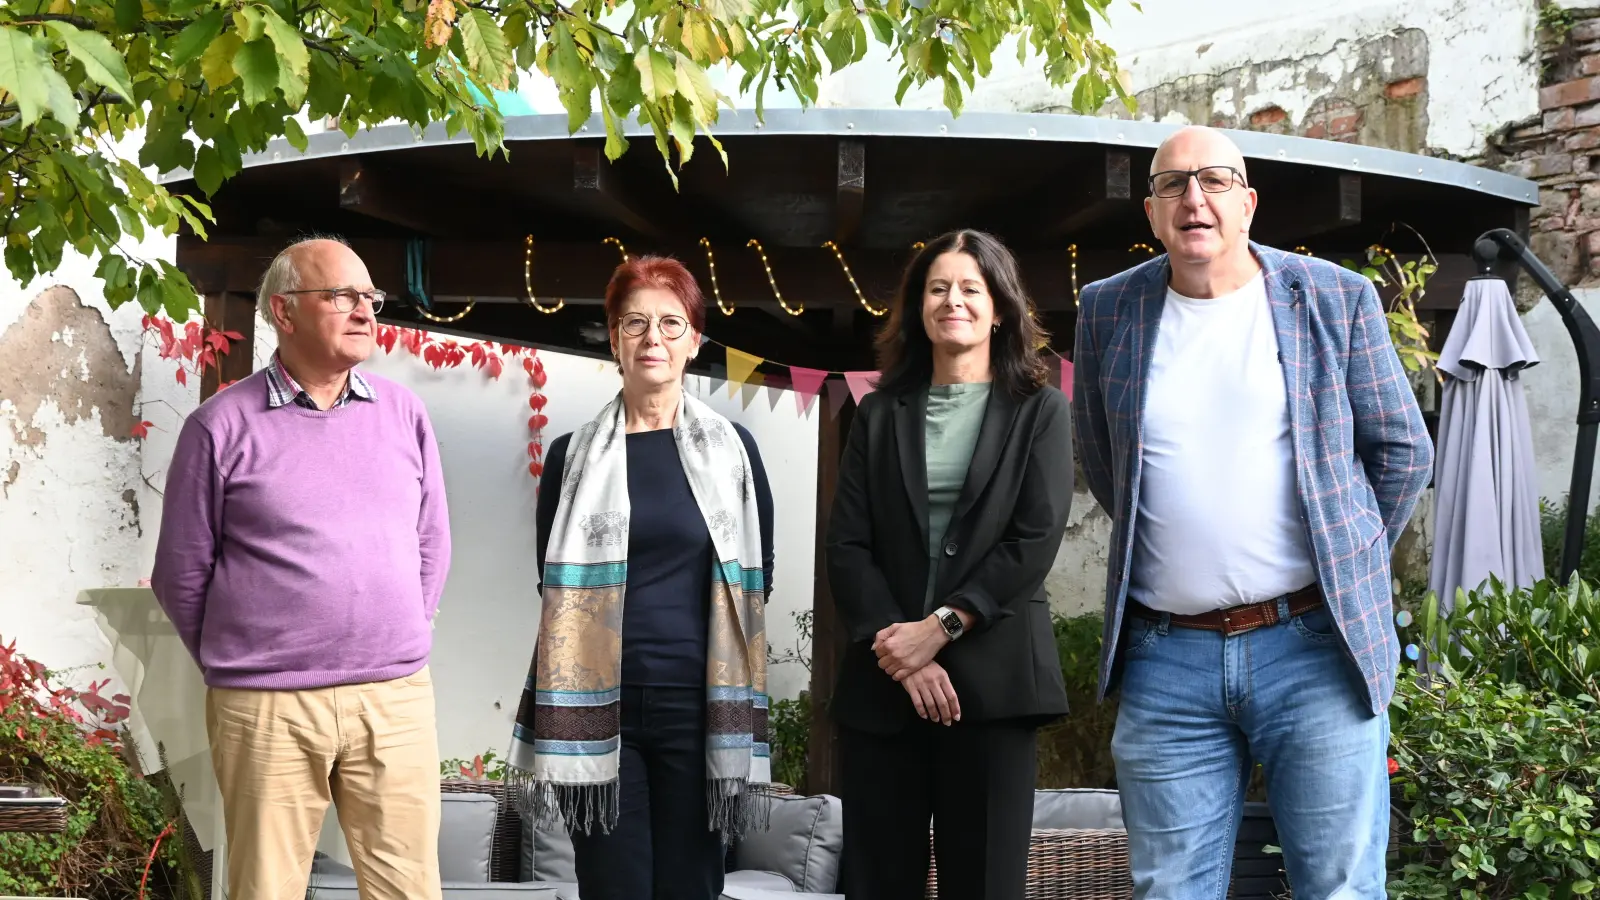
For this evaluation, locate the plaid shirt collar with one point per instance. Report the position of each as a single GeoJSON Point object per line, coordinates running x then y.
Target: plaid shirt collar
{"type": "Point", "coordinates": [282, 389]}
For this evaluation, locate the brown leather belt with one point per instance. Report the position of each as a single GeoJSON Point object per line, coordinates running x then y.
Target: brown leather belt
{"type": "Point", "coordinates": [1238, 619]}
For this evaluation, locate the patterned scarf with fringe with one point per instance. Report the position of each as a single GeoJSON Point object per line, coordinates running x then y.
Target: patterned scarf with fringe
{"type": "Point", "coordinates": [567, 739]}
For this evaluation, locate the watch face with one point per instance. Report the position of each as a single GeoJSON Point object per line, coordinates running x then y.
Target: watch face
{"type": "Point", "coordinates": [952, 623]}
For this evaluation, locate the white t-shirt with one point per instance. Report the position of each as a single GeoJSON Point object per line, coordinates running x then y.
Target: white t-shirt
{"type": "Point", "coordinates": [1219, 521]}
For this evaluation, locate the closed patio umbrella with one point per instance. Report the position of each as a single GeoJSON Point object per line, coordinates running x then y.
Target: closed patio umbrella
{"type": "Point", "coordinates": [1486, 502]}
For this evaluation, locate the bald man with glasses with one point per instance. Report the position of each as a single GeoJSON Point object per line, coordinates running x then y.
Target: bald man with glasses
{"type": "Point", "coordinates": [304, 546]}
{"type": "Point", "coordinates": [1243, 418]}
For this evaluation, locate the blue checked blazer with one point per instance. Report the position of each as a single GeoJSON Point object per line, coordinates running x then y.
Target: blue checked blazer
{"type": "Point", "coordinates": [1362, 452]}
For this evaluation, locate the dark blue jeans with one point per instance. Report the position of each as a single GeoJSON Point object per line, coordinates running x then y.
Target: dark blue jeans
{"type": "Point", "coordinates": [663, 847]}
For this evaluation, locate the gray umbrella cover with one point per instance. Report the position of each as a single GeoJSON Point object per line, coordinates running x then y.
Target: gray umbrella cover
{"type": "Point", "coordinates": [1486, 503]}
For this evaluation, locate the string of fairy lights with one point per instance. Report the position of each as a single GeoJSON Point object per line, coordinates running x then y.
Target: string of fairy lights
{"type": "Point", "coordinates": [727, 307]}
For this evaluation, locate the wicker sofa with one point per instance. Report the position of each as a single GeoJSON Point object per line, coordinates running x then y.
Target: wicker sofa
{"type": "Point", "coordinates": [1079, 851]}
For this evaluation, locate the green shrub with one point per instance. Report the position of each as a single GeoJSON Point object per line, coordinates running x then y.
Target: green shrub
{"type": "Point", "coordinates": [61, 738]}
{"type": "Point", "coordinates": [1499, 782]}
{"type": "Point", "coordinates": [1496, 744]}
{"type": "Point", "coordinates": [1075, 751]}
{"type": "Point", "coordinates": [1552, 529]}
{"type": "Point", "coordinates": [789, 729]}
{"type": "Point", "coordinates": [1546, 637]}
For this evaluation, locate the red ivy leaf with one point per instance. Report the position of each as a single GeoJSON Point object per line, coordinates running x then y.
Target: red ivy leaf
{"type": "Point", "coordinates": [218, 341]}
{"type": "Point", "coordinates": [535, 469]}
{"type": "Point", "coordinates": [183, 377]}
{"type": "Point", "coordinates": [537, 401]}
{"type": "Point", "coordinates": [495, 366]}
{"type": "Point", "coordinates": [533, 450]}
{"type": "Point", "coordinates": [538, 377]}
{"type": "Point", "coordinates": [122, 698]}
{"type": "Point", "coordinates": [527, 364]}
{"type": "Point", "coordinates": [538, 421]}
{"type": "Point", "coordinates": [233, 335]}
{"type": "Point", "coordinates": [142, 430]}
{"type": "Point", "coordinates": [226, 383]}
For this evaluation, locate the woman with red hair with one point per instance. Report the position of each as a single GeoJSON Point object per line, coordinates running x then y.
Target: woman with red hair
{"type": "Point", "coordinates": [643, 723]}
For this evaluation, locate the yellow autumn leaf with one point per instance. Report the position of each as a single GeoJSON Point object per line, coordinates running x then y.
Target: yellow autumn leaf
{"type": "Point", "coordinates": [217, 62]}
{"type": "Point", "coordinates": [436, 26]}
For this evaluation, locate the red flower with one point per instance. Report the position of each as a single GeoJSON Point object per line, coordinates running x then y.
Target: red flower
{"type": "Point", "coordinates": [1393, 766]}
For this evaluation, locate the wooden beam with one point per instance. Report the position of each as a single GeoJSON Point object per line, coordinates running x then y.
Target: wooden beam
{"type": "Point", "coordinates": [230, 311]}
{"type": "Point", "coordinates": [850, 194]}
{"type": "Point", "coordinates": [1107, 191]}
{"type": "Point", "coordinates": [1328, 201]}
{"type": "Point", "coordinates": [828, 640]}
{"type": "Point", "coordinates": [369, 191]}
{"type": "Point", "coordinates": [596, 183]}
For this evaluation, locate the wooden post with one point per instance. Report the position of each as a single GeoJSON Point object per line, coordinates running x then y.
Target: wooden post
{"type": "Point", "coordinates": [230, 311]}
{"type": "Point", "coordinates": [828, 638]}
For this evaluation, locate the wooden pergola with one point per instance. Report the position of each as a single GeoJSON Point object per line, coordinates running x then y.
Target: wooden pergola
{"type": "Point", "coordinates": [818, 191]}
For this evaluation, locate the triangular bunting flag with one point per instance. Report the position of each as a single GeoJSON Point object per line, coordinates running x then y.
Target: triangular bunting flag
{"type": "Point", "coordinates": [740, 366]}
{"type": "Point", "coordinates": [1066, 377]}
{"type": "Point", "coordinates": [807, 383]}
{"type": "Point", "coordinates": [861, 384]}
{"type": "Point", "coordinates": [777, 385]}
{"type": "Point", "coordinates": [750, 388]}
{"type": "Point", "coordinates": [838, 393]}
{"type": "Point", "coordinates": [715, 379]}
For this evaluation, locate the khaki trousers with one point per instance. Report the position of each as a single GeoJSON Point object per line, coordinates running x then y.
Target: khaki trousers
{"type": "Point", "coordinates": [282, 756]}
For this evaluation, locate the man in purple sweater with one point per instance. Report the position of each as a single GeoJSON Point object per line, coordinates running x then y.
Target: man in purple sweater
{"type": "Point", "coordinates": [304, 545]}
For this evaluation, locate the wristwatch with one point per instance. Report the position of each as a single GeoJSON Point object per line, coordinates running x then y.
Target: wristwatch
{"type": "Point", "coordinates": [950, 622]}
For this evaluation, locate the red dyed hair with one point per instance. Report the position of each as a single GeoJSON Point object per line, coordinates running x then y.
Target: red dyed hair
{"type": "Point", "coordinates": [661, 272]}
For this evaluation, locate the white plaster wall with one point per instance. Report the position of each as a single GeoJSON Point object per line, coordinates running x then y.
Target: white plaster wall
{"type": "Point", "coordinates": [1480, 71]}
{"type": "Point", "coordinates": [64, 525]}
{"type": "Point", "coordinates": [1551, 388]}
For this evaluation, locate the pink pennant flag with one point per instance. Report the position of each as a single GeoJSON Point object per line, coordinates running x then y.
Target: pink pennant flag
{"type": "Point", "coordinates": [807, 384]}
{"type": "Point", "coordinates": [1066, 377]}
{"type": "Point", "coordinates": [861, 384]}
{"type": "Point", "coordinates": [838, 393]}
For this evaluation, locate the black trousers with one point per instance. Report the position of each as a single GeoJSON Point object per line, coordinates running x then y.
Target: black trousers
{"type": "Point", "coordinates": [662, 847]}
{"type": "Point", "coordinates": [974, 781]}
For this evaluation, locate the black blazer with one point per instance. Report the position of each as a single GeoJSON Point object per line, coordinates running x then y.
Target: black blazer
{"type": "Point", "coordinates": [1002, 541]}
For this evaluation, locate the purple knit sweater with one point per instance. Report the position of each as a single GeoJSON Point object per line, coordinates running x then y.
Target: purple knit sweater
{"type": "Point", "coordinates": [303, 549]}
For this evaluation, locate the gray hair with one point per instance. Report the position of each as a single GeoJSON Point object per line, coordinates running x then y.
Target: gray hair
{"type": "Point", "coordinates": [283, 274]}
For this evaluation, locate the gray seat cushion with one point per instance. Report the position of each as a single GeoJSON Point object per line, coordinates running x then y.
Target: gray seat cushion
{"type": "Point", "coordinates": [750, 878]}
{"type": "Point", "coordinates": [803, 844]}
{"type": "Point", "coordinates": [343, 887]}
{"type": "Point", "coordinates": [547, 854]}
{"type": "Point", "coordinates": [1077, 808]}
{"type": "Point", "coordinates": [466, 836]}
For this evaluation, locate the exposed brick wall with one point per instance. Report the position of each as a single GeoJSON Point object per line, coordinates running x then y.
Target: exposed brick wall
{"type": "Point", "coordinates": [1560, 149]}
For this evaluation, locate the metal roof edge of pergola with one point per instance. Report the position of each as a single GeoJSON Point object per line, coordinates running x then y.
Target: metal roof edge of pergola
{"type": "Point", "coordinates": [1049, 127]}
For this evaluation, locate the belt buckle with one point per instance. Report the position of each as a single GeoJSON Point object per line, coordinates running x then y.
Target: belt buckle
{"type": "Point", "coordinates": [1230, 629]}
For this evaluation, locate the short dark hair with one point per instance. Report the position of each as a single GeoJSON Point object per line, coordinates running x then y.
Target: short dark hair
{"type": "Point", "coordinates": [905, 354]}
{"type": "Point", "coordinates": [662, 272]}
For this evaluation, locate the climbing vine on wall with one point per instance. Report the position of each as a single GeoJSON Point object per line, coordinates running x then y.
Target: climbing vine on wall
{"type": "Point", "coordinates": [196, 347]}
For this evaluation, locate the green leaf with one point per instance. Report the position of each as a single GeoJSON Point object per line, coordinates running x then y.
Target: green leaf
{"type": "Point", "coordinates": [658, 78]}
{"type": "Point", "coordinates": [693, 85]}
{"type": "Point", "coordinates": [208, 170]}
{"type": "Point", "coordinates": [257, 66]}
{"type": "Point", "coordinates": [195, 38]}
{"type": "Point", "coordinates": [101, 62]}
{"type": "Point", "coordinates": [487, 52]}
{"type": "Point", "coordinates": [952, 94]}
{"type": "Point", "coordinates": [129, 14]}
{"type": "Point", "coordinates": [296, 60]}
{"type": "Point", "coordinates": [216, 65]}
{"type": "Point", "coordinates": [295, 135]}
{"type": "Point", "coordinates": [683, 128]}
{"type": "Point", "coordinates": [26, 72]}
{"type": "Point", "coordinates": [1585, 886]}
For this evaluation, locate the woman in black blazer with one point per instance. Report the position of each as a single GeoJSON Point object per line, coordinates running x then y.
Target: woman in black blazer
{"type": "Point", "coordinates": [951, 502]}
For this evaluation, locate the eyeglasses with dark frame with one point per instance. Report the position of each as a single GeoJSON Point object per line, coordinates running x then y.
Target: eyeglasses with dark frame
{"type": "Point", "coordinates": [636, 324]}
{"type": "Point", "coordinates": [1212, 179]}
{"type": "Point", "coordinates": [346, 299]}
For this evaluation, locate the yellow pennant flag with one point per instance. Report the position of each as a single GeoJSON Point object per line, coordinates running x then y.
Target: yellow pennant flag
{"type": "Point", "coordinates": [740, 367]}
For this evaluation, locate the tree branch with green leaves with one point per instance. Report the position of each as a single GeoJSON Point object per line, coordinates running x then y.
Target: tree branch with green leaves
{"type": "Point", "coordinates": [209, 81]}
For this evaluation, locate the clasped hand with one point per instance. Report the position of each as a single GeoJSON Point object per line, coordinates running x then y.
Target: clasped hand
{"type": "Point", "coordinates": [905, 650]}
